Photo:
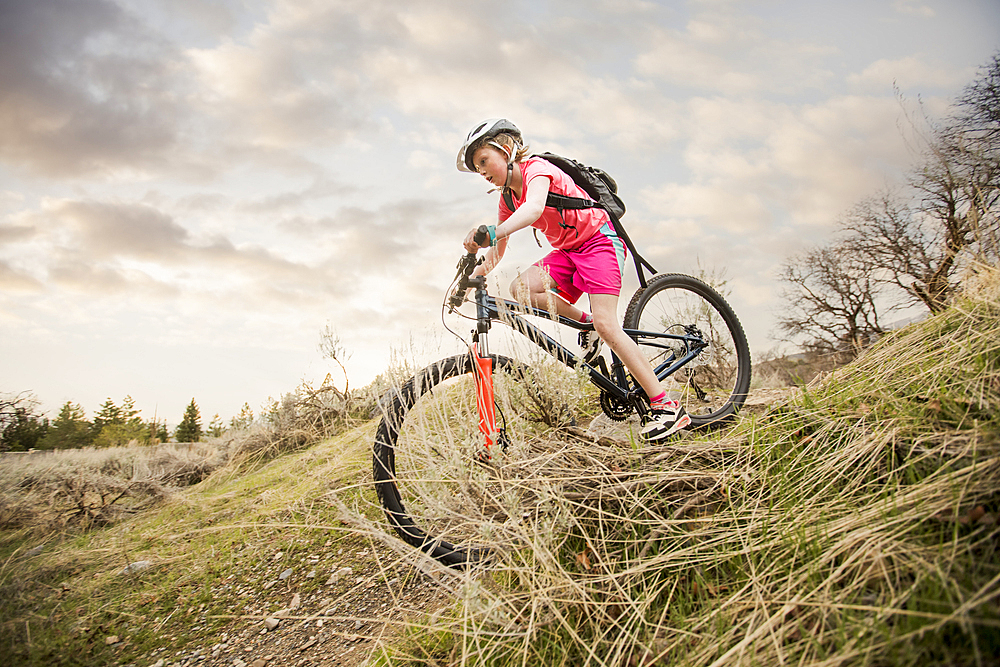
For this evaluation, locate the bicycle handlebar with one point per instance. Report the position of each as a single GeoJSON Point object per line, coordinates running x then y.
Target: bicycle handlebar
{"type": "Point", "coordinates": [466, 265]}
{"type": "Point", "coordinates": [482, 236]}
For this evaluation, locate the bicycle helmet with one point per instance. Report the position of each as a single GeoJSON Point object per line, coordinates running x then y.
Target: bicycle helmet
{"type": "Point", "coordinates": [482, 133]}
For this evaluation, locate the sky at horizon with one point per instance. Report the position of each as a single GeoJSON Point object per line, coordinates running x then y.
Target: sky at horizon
{"type": "Point", "coordinates": [191, 190]}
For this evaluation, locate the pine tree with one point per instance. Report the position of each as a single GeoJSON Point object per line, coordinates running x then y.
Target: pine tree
{"type": "Point", "coordinates": [215, 427]}
{"type": "Point", "coordinates": [69, 430]}
{"type": "Point", "coordinates": [244, 419]}
{"type": "Point", "coordinates": [117, 426]}
{"type": "Point", "coordinates": [108, 414]}
{"type": "Point", "coordinates": [189, 430]}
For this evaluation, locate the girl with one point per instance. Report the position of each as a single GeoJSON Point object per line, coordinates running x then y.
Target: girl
{"type": "Point", "coordinates": [587, 255]}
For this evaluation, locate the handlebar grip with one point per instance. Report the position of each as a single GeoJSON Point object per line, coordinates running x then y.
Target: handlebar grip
{"type": "Point", "coordinates": [482, 236]}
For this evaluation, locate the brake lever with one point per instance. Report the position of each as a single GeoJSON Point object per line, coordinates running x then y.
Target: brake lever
{"type": "Point", "coordinates": [466, 265]}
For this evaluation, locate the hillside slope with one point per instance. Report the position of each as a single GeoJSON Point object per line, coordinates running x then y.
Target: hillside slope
{"type": "Point", "coordinates": [855, 524]}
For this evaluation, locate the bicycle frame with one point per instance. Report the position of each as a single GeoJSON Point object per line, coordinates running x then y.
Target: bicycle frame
{"type": "Point", "coordinates": [619, 387]}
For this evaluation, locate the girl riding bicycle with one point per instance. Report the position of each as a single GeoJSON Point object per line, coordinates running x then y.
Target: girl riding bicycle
{"type": "Point", "coordinates": [587, 255]}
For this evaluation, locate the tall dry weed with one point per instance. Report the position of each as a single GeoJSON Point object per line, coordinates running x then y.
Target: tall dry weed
{"type": "Point", "coordinates": [856, 524]}
{"type": "Point", "coordinates": [95, 487]}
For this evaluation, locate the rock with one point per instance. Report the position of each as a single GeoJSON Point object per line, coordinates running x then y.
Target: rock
{"type": "Point", "coordinates": [137, 566]}
{"type": "Point", "coordinates": [271, 623]}
{"type": "Point", "coordinates": [34, 551]}
{"type": "Point", "coordinates": [259, 662]}
{"type": "Point", "coordinates": [111, 639]}
{"type": "Point", "coordinates": [340, 574]}
{"type": "Point", "coordinates": [238, 663]}
{"type": "Point", "coordinates": [622, 432]}
{"type": "Point", "coordinates": [278, 555]}
{"type": "Point", "coordinates": [284, 575]}
{"type": "Point", "coordinates": [296, 602]}
{"type": "Point", "coordinates": [311, 575]}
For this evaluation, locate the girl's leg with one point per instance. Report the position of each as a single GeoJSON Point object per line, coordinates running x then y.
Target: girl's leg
{"type": "Point", "coordinates": [605, 312]}
{"type": "Point", "coordinates": [534, 287]}
{"type": "Point", "coordinates": [666, 417]}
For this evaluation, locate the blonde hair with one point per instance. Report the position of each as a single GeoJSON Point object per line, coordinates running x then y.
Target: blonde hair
{"type": "Point", "coordinates": [507, 140]}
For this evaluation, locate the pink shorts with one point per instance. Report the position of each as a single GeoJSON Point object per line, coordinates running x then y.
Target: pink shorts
{"type": "Point", "coordinates": [593, 268]}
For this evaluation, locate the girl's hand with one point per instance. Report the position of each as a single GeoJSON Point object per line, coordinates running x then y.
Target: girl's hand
{"type": "Point", "coordinates": [470, 243]}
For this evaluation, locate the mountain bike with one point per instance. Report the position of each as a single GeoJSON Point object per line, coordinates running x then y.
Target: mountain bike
{"type": "Point", "coordinates": [437, 445]}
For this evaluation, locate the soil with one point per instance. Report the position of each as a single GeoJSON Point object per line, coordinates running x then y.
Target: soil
{"type": "Point", "coordinates": [344, 624]}
{"type": "Point", "coordinates": [341, 625]}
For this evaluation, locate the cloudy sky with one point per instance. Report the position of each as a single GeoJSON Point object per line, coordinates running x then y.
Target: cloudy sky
{"type": "Point", "coordinates": [190, 190]}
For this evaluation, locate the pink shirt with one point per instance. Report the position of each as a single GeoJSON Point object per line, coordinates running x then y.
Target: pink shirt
{"type": "Point", "coordinates": [580, 224]}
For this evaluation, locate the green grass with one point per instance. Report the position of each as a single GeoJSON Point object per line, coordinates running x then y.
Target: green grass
{"type": "Point", "coordinates": [854, 525]}
{"type": "Point", "coordinates": [211, 547]}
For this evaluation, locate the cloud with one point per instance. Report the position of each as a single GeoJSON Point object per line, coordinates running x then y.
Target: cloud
{"type": "Point", "coordinates": [914, 8]}
{"type": "Point", "coordinates": [85, 89]}
{"type": "Point", "coordinates": [107, 230]}
{"type": "Point", "coordinates": [14, 280]}
{"type": "Point", "coordinates": [299, 78]}
{"type": "Point", "coordinates": [906, 73]}
{"type": "Point", "coordinates": [104, 247]}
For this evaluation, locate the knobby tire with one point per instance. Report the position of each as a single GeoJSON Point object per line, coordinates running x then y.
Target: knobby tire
{"type": "Point", "coordinates": [715, 385]}
{"type": "Point", "coordinates": [398, 415]}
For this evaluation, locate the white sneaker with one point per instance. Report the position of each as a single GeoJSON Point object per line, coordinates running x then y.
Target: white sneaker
{"type": "Point", "coordinates": [592, 346]}
{"type": "Point", "coordinates": [662, 423]}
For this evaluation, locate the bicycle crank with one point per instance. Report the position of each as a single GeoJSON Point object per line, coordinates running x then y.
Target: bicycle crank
{"type": "Point", "coordinates": [614, 407]}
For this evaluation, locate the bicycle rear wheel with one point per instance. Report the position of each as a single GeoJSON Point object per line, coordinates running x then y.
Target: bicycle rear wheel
{"type": "Point", "coordinates": [434, 491]}
{"type": "Point", "coordinates": [714, 385]}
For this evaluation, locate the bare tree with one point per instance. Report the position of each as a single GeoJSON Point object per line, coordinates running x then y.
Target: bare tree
{"type": "Point", "coordinates": [331, 347]}
{"type": "Point", "coordinates": [925, 241]}
{"type": "Point", "coordinates": [972, 142]}
{"type": "Point", "coordinates": [979, 108]}
{"type": "Point", "coordinates": [20, 422]}
{"type": "Point", "coordinates": [905, 247]}
{"type": "Point", "coordinates": [909, 246]}
{"type": "Point", "coordinates": [920, 240]}
{"type": "Point", "coordinates": [831, 300]}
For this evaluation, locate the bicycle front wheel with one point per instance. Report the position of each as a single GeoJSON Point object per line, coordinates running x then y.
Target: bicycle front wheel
{"type": "Point", "coordinates": [714, 385]}
{"type": "Point", "coordinates": [434, 490]}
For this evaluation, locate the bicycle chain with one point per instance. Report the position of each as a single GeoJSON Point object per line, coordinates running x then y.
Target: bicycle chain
{"type": "Point", "coordinates": [617, 410]}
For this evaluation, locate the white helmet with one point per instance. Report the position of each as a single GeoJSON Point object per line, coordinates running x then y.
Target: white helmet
{"type": "Point", "coordinates": [482, 133]}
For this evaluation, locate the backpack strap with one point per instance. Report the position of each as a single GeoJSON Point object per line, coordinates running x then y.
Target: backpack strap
{"type": "Point", "coordinates": [561, 202]}
{"type": "Point", "coordinates": [509, 201]}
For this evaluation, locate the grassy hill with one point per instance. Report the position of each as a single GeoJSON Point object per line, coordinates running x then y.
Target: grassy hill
{"type": "Point", "coordinates": [856, 523]}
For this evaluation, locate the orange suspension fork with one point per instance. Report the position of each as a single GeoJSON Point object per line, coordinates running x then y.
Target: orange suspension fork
{"type": "Point", "coordinates": [484, 398]}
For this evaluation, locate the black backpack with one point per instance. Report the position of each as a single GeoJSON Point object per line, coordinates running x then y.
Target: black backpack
{"type": "Point", "coordinates": [603, 191]}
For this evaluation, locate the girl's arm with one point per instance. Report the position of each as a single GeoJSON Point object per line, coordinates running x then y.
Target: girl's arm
{"type": "Point", "coordinates": [530, 210]}
{"type": "Point", "coordinates": [524, 216]}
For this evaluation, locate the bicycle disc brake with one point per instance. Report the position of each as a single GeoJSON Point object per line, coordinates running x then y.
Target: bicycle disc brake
{"type": "Point", "coordinates": [483, 455]}
{"type": "Point", "coordinates": [615, 408]}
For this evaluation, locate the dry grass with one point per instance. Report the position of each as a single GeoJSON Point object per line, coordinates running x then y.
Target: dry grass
{"type": "Point", "coordinates": [856, 524]}
{"type": "Point", "coordinates": [84, 488]}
